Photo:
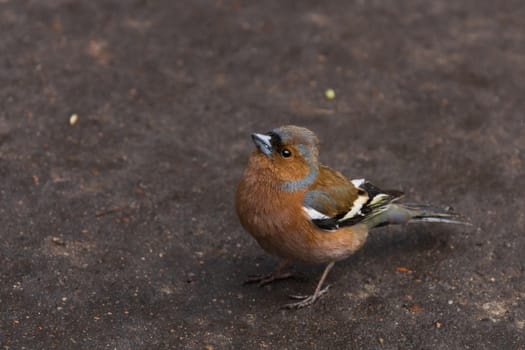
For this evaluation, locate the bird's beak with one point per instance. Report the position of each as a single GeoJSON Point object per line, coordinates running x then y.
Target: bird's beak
{"type": "Point", "coordinates": [263, 143]}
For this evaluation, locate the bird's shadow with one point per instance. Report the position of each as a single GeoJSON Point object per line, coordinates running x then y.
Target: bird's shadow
{"type": "Point", "coordinates": [386, 248]}
{"type": "Point", "coordinates": [386, 244]}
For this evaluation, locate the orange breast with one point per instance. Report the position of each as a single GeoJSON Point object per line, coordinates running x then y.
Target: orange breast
{"type": "Point", "coordinates": [280, 226]}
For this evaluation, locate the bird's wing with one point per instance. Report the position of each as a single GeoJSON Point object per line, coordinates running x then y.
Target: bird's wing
{"type": "Point", "coordinates": [334, 201]}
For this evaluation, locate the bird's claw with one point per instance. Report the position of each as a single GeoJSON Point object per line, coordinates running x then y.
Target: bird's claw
{"type": "Point", "coordinates": [263, 280]}
{"type": "Point", "coordinates": [306, 300]}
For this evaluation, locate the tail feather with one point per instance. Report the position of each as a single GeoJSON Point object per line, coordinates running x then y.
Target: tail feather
{"type": "Point", "coordinates": [429, 213]}
{"type": "Point", "coordinates": [400, 213]}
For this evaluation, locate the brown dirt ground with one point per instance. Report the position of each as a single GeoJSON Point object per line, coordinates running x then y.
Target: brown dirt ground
{"type": "Point", "coordinates": [119, 232]}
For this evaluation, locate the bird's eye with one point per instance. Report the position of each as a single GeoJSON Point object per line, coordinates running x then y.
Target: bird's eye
{"type": "Point", "coordinates": [285, 152]}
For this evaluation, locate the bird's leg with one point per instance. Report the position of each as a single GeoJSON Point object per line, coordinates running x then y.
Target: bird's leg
{"type": "Point", "coordinates": [319, 291]}
{"type": "Point", "coordinates": [276, 275]}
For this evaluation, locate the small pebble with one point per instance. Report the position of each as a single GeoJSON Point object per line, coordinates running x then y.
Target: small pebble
{"type": "Point", "coordinates": [58, 241]}
{"type": "Point", "coordinates": [73, 119]}
{"type": "Point", "coordinates": [329, 94]}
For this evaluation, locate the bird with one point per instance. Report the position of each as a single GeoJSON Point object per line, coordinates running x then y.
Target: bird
{"type": "Point", "coordinates": [299, 210]}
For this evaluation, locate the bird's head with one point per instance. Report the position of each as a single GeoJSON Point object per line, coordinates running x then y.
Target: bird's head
{"type": "Point", "coordinates": [291, 153]}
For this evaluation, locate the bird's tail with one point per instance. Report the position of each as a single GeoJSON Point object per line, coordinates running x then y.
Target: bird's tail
{"type": "Point", "coordinates": [402, 213]}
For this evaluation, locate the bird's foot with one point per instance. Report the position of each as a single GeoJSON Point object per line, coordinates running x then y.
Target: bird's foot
{"type": "Point", "coordinates": [263, 280]}
{"type": "Point", "coordinates": [306, 300]}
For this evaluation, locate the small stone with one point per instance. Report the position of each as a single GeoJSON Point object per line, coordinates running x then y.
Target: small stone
{"type": "Point", "coordinates": [73, 119]}
{"type": "Point", "coordinates": [329, 94]}
{"type": "Point", "coordinates": [58, 241]}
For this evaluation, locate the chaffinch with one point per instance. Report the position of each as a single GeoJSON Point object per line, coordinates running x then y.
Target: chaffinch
{"type": "Point", "coordinates": [300, 210]}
